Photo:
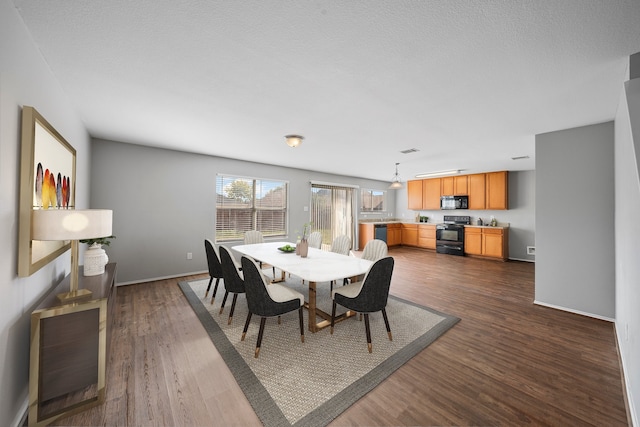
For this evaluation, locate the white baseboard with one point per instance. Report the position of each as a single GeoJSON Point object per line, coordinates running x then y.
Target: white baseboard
{"type": "Point", "coordinates": [570, 310]}
{"type": "Point", "coordinates": [524, 260]}
{"type": "Point", "coordinates": [620, 340]}
{"type": "Point", "coordinates": [21, 417]}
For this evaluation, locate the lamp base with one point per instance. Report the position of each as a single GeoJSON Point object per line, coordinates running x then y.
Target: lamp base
{"type": "Point", "coordinates": [73, 296]}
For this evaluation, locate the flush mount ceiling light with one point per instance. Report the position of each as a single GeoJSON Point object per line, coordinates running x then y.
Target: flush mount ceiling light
{"type": "Point", "coordinates": [293, 140]}
{"type": "Point", "coordinates": [440, 173]}
{"type": "Point", "coordinates": [395, 182]}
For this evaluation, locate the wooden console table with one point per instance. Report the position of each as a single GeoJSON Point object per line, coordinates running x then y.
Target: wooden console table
{"type": "Point", "coordinates": [69, 349]}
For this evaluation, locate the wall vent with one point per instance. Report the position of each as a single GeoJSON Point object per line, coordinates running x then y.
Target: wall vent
{"type": "Point", "coordinates": [410, 150]}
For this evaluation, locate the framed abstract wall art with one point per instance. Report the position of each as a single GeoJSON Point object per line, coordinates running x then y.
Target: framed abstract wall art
{"type": "Point", "coordinates": [47, 181]}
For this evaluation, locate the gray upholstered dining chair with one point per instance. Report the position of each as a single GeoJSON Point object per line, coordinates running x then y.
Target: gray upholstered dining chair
{"type": "Point", "coordinates": [315, 240]}
{"type": "Point", "coordinates": [267, 299]}
{"type": "Point", "coordinates": [252, 237]}
{"type": "Point", "coordinates": [233, 279]}
{"type": "Point", "coordinates": [215, 269]}
{"type": "Point", "coordinates": [374, 250]}
{"type": "Point", "coordinates": [367, 296]}
{"type": "Point", "coordinates": [341, 245]}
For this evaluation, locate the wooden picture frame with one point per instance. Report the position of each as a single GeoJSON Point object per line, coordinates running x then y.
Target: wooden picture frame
{"type": "Point", "coordinates": [47, 180]}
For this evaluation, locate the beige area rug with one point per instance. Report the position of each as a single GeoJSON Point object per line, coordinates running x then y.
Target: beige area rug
{"type": "Point", "coordinates": [309, 384]}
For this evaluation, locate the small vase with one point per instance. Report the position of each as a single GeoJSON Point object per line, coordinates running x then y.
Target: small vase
{"type": "Point", "coordinates": [95, 259]}
{"type": "Point", "coordinates": [304, 248]}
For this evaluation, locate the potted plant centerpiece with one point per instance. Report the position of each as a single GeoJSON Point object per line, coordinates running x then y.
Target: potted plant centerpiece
{"type": "Point", "coordinates": [95, 258]}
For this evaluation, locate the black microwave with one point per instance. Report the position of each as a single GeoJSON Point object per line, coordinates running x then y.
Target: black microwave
{"type": "Point", "coordinates": [454, 202]}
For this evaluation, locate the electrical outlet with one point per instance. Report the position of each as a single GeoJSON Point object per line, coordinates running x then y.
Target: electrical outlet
{"type": "Point", "coordinates": [189, 255]}
{"type": "Point", "coordinates": [531, 250]}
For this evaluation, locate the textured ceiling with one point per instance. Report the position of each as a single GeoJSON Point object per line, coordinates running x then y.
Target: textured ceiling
{"type": "Point", "coordinates": [467, 83]}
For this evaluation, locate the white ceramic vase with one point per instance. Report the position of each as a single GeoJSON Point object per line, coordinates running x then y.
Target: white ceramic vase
{"type": "Point", "coordinates": [95, 258]}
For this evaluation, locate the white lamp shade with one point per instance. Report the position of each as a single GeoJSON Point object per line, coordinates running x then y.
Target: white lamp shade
{"type": "Point", "coordinates": [71, 224]}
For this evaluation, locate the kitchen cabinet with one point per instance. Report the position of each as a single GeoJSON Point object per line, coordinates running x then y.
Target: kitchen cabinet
{"type": "Point", "coordinates": [472, 241]}
{"type": "Point", "coordinates": [394, 234]}
{"type": "Point", "coordinates": [365, 233]}
{"type": "Point", "coordinates": [414, 194]}
{"type": "Point", "coordinates": [431, 191]}
{"type": "Point", "coordinates": [454, 185]}
{"type": "Point", "coordinates": [446, 186]}
{"type": "Point", "coordinates": [489, 242]}
{"type": "Point", "coordinates": [410, 234]}
{"type": "Point", "coordinates": [486, 191]}
{"type": "Point", "coordinates": [69, 351]}
{"type": "Point", "coordinates": [496, 190]}
{"type": "Point", "coordinates": [427, 236]}
{"type": "Point", "coordinates": [461, 185]}
{"type": "Point", "coordinates": [477, 191]}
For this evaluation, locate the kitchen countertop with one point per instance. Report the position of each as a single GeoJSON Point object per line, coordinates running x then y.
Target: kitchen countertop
{"type": "Point", "coordinates": [373, 221]}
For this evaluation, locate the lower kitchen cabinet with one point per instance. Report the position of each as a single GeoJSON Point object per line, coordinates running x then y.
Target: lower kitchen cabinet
{"type": "Point", "coordinates": [489, 242]}
{"type": "Point", "coordinates": [427, 236]}
{"type": "Point", "coordinates": [394, 234]}
{"type": "Point", "coordinates": [410, 234]}
{"type": "Point", "coordinates": [365, 233]}
{"type": "Point", "coordinates": [472, 241]}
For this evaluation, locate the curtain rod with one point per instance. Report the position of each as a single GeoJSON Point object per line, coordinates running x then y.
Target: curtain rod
{"type": "Point", "coordinates": [333, 184]}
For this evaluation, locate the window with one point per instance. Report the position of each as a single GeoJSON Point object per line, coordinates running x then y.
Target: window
{"type": "Point", "coordinates": [332, 211]}
{"type": "Point", "coordinates": [373, 200]}
{"type": "Point", "coordinates": [244, 204]}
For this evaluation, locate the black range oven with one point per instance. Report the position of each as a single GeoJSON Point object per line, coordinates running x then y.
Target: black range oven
{"type": "Point", "coordinates": [450, 235]}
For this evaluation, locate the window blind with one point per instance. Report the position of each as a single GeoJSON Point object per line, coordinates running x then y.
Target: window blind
{"type": "Point", "coordinates": [332, 211]}
{"type": "Point", "coordinates": [244, 204]}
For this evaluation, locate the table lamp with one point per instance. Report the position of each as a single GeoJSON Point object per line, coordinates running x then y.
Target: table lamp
{"type": "Point", "coordinates": [73, 225]}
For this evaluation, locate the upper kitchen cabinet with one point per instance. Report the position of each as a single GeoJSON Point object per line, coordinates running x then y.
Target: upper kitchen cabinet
{"type": "Point", "coordinates": [414, 194]}
{"type": "Point", "coordinates": [496, 190]}
{"type": "Point", "coordinates": [461, 185]}
{"type": "Point", "coordinates": [431, 193]}
{"type": "Point", "coordinates": [486, 191]}
{"type": "Point", "coordinates": [477, 191]}
{"type": "Point", "coordinates": [446, 186]}
{"type": "Point", "coordinates": [455, 185]}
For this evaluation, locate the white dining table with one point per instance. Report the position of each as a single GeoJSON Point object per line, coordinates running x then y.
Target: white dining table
{"type": "Point", "coordinates": [317, 267]}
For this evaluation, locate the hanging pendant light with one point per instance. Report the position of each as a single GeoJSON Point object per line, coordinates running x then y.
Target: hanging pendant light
{"type": "Point", "coordinates": [395, 182]}
{"type": "Point", "coordinates": [293, 140]}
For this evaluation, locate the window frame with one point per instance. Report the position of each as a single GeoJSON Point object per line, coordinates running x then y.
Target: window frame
{"type": "Point", "coordinates": [255, 209]}
{"type": "Point", "coordinates": [385, 202]}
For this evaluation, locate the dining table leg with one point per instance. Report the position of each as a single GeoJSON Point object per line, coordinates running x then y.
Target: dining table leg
{"type": "Point", "coordinates": [315, 312]}
{"type": "Point", "coordinates": [312, 307]}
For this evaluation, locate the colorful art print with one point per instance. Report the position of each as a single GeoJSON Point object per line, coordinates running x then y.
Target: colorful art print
{"type": "Point", "coordinates": [52, 186]}
{"type": "Point", "coordinates": [47, 181]}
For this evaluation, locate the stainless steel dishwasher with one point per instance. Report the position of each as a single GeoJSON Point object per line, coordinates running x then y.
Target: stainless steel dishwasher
{"type": "Point", "coordinates": [380, 232]}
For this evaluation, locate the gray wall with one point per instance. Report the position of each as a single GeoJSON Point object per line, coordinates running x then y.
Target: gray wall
{"type": "Point", "coordinates": [163, 203]}
{"type": "Point", "coordinates": [520, 215]}
{"type": "Point", "coordinates": [575, 220]}
{"type": "Point", "coordinates": [25, 79]}
{"type": "Point", "coordinates": [627, 184]}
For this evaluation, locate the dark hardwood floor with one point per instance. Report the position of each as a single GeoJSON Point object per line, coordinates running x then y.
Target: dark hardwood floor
{"type": "Point", "coordinates": [507, 362]}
